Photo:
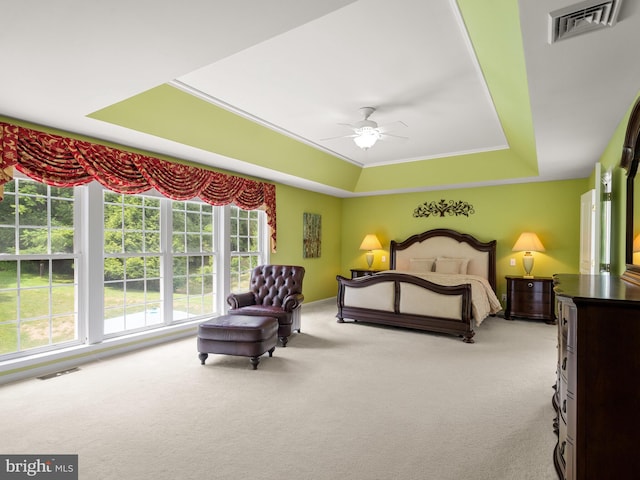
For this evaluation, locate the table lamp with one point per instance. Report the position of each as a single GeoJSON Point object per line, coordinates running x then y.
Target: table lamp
{"type": "Point", "coordinates": [370, 243]}
{"type": "Point", "coordinates": [528, 242]}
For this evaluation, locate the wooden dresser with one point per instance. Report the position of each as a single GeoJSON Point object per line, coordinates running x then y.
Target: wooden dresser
{"type": "Point", "coordinates": [597, 391]}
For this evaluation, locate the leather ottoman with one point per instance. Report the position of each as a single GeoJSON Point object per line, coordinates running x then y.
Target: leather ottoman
{"type": "Point", "coordinates": [242, 335]}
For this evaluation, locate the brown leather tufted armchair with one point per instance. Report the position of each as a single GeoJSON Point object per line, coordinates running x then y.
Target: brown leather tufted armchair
{"type": "Point", "coordinates": [275, 291]}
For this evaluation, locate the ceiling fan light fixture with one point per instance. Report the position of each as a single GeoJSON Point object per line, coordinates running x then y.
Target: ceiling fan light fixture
{"type": "Point", "coordinates": [366, 137]}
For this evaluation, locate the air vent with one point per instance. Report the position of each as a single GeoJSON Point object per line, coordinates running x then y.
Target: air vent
{"type": "Point", "coordinates": [582, 18]}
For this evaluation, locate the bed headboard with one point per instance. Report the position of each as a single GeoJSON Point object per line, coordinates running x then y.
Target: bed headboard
{"type": "Point", "coordinates": [443, 242]}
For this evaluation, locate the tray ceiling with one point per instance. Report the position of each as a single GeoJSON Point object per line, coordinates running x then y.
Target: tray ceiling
{"type": "Point", "coordinates": [302, 68]}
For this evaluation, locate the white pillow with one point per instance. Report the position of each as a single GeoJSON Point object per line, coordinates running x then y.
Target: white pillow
{"type": "Point", "coordinates": [452, 265]}
{"type": "Point", "coordinates": [421, 264]}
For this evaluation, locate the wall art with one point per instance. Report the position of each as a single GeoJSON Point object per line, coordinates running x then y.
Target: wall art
{"type": "Point", "coordinates": [444, 208]}
{"type": "Point", "coordinates": [311, 235]}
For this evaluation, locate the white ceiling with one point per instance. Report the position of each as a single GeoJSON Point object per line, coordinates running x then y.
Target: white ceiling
{"type": "Point", "coordinates": [326, 70]}
{"type": "Point", "coordinates": [303, 67]}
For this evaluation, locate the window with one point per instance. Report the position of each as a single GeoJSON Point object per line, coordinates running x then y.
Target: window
{"type": "Point", "coordinates": [160, 263]}
{"type": "Point", "coordinates": [38, 283]}
{"type": "Point", "coordinates": [194, 272]}
{"type": "Point", "coordinates": [246, 245]}
{"type": "Point", "coordinates": [132, 281]}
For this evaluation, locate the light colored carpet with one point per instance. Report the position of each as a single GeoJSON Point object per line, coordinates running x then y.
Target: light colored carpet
{"type": "Point", "coordinates": [342, 401]}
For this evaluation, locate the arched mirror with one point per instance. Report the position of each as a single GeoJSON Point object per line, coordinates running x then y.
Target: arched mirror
{"type": "Point", "coordinates": [629, 161]}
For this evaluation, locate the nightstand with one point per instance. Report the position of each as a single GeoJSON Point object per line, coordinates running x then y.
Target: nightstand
{"type": "Point", "coordinates": [530, 298]}
{"type": "Point", "coordinates": [362, 272]}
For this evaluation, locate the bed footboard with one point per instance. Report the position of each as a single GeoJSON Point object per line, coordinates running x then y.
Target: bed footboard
{"type": "Point", "coordinates": [403, 300]}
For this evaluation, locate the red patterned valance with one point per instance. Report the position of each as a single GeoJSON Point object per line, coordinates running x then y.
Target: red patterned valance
{"type": "Point", "coordinates": [65, 162]}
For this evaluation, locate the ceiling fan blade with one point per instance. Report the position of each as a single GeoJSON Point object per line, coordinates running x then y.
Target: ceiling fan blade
{"type": "Point", "coordinates": [367, 126]}
{"type": "Point", "coordinates": [339, 136]}
{"type": "Point", "coordinates": [392, 136]}
{"type": "Point", "coordinates": [392, 126]}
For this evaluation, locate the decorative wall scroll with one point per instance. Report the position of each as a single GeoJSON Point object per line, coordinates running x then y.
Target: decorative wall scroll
{"type": "Point", "coordinates": [311, 235]}
{"type": "Point", "coordinates": [442, 208]}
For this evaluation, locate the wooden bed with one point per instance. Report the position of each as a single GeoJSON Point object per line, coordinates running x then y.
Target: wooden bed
{"type": "Point", "coordinates": [440, 281]}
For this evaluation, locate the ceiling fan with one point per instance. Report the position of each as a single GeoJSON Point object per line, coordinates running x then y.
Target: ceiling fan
{"type": "Point", "coordinates": [367, 132]}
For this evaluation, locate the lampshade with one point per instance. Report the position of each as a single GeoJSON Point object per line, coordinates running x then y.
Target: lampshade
{"type": "Point", "coordinates": [636, 244]}
{"type": "Point", "coordinates": [366, 137]}
{"type": "Point", "coordinates": [370, 242]}
{"type": "Point", "coordinates": [528, 242]}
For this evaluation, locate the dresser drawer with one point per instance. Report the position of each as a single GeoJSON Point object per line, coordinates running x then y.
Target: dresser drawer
{"type": "Point", "coordinates": [563, 318]}
{"type": "Point", "coordinates": [571, 327]}
{"type": "Point", "coordinates": [571, 372]}
{"type": "Point", "coordinates": [562, 397]}
{"type": "Point", "coordinates": [535, 287]}
{"type": "Point", "coordinates": [561, 448]}
{"type": "Point", "coordinates": [529, 307]}
{"type": "Point", "coordinates": [570, 408]}
{"type": "Point", "coordinates": [570, 459]}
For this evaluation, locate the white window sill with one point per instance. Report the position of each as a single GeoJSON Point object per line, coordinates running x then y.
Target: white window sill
{"type": "Point", "coordinates": [63, 359]}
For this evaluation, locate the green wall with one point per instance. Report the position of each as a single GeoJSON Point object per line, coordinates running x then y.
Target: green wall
{"type": "Point", "coordinates": [320, 277]}
{"type": "Point", "coordinates": [168, 112]}
{"type": "Point", "coordinates": [551, 209]}
{"type": "Point", "coordinates": [501, 212]}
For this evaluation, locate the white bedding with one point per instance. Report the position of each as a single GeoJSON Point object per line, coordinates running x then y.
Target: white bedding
{"type": "Point", "coordinates": [483, 299]}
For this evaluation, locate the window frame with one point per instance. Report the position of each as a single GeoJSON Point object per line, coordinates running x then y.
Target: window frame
{"type": "Point", "coordinates": [262, 252]}
{"type": "Point", "coordinates": [214, 253]}
{"type": "Point", "coordinates": [127, 258]}
{"type": "Point", "coordinates": [89, 272]}
{"type": "Point", "coordinates": [49, 257]}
